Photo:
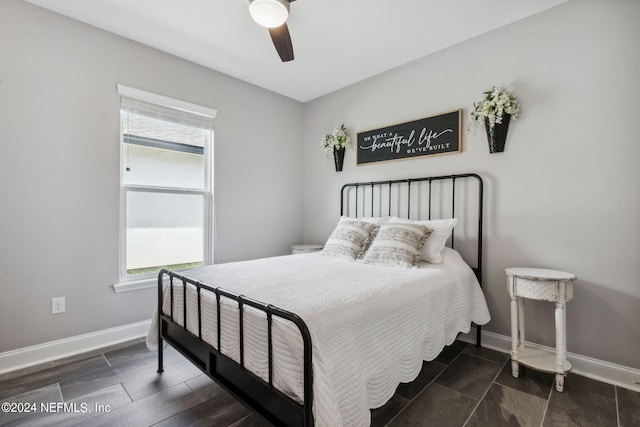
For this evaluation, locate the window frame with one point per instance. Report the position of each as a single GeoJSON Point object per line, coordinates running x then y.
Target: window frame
{"type": "Point", "coordinates": [131, 282]}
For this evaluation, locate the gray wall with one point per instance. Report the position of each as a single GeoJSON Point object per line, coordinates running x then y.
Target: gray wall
{"type": "Point", "coordinates": [565, 194]}
{"type": "Point", "coordinates": [59, 170]}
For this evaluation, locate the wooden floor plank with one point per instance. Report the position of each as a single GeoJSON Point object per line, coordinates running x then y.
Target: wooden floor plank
{"type": "Point", "coordinates": [143, 383]}
{"type": "Point", "coordinates": [147, 411]}
{"type": "Point", "coordinates": [51, 375]}
{"type": "Point", "coordinates": [35, 397]}
{"type": "Point", "coordinates": [24, 371]}
{"type": "Point", "coordinates": [205, 387]}
{"type": "Point", "coordinates": [124, 380]}
{"type": "Point", "coordinates": [76, 410]}
{"type": "Point", "coordinates": [222, 410]}
{"type": "Point", "coordinates": [97, 352]}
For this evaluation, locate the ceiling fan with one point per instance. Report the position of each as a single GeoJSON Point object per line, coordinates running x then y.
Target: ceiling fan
{"type": "Point", "coordinates": [273, 14]}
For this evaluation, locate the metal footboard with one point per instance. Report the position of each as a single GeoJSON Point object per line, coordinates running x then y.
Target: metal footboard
{"type": "Point", "coordinates": [275, 406]}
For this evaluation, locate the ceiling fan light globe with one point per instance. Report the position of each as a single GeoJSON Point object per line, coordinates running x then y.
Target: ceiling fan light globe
{"type": "Point", "coordinates": [269, 13]}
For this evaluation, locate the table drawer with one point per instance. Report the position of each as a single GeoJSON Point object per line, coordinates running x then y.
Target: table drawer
{"type": "Point", "coordinates": [545, 290]}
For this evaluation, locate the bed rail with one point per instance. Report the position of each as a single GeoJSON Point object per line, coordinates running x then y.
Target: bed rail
{"type": "Point", "coordinates": [271, 403]}
{"type": "Point", "coordinates": [398, 197]}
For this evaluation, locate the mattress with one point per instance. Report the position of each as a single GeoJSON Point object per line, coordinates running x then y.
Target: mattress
{"type": "Point", "coordinates": [371, 326]}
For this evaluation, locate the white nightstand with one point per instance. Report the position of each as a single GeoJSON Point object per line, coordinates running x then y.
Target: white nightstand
{"type": "Point", "coordinates": [305, 249]}
{"type": "Point", "coordinates": [544, 285]}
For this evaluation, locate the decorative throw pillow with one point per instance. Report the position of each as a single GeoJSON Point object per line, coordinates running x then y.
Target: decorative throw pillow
{"type": "Point", "coordinates": [397, 245]}
{"type": "Point", "coordinates": [377, 220]}
{"type": "Point", "coordinates": [349, 239]}
{"type": "Point", "coordinates": [432, 249]}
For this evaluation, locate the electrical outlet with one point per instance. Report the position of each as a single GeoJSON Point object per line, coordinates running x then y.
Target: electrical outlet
{"type": "Point", "coordinates": [57, 305]}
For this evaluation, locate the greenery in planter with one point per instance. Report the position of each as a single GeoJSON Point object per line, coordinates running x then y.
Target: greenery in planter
{"type": "Point", "coordinates": [496, 104]}
{"type": "Point", "coordinates": [337, 139]}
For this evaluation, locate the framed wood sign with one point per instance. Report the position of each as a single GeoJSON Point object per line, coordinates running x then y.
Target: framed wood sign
{"type": "Point", "coordinates": [423, 137]}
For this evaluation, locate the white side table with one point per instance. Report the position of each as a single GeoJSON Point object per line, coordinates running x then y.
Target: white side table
{"type": "Point", "coordinates": [544, 285]}
{"type": "Point", "coordinates": [305, 249]}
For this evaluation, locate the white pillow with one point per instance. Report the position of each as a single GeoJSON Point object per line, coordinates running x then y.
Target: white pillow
{"type": "Point", "coordinates": [350, 239]}
{"type": "Point", "coordinates": [397, 245]}
{"type": "Point", "coordinates": [441, 230]}
{"type": "Point", "coordinates": [378, 220]}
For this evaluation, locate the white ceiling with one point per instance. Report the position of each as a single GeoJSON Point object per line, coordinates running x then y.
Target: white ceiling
{"type": "Point", "coordinates": [336, 42]}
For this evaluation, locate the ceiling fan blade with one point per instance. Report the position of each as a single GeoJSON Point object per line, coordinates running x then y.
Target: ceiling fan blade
{"type": "Point", "coordinates": [282, 41]}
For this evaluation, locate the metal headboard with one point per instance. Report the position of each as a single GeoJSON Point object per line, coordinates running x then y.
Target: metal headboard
{"type": "Point", "coordinates": [423, 198]}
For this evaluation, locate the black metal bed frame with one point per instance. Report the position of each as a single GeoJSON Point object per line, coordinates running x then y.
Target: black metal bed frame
{"type": "Point", "coordinates": [268, 401]}
{"type": "Point", "coordinates": [272, 404]}
{"type": "Point", "coordinates": [368, 188]}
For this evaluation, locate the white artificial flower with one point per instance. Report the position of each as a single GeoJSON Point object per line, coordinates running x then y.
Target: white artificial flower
{"type": "Point", "coordinates": [337, 139]}
{"type": "Point", "coordinates": [496, 104]}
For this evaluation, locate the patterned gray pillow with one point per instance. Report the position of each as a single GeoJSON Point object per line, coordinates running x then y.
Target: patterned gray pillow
{"type": "Point", "coordinates": [397, 245]}
{"type": "Point", "coordinates": [350, 239]}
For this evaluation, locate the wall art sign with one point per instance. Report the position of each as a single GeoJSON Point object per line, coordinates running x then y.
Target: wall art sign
{"type": "Point", "coordinates": [424, 137]}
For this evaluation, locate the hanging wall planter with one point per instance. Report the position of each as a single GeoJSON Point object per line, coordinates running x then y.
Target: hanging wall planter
{"type": "Point", "coordinates": [495, 111]}
{"type": "Point", "coordinates": [336, 143]}
{"type": "Point", "coordinates": [497, 135]}
{"type": "Point", "coordinates": [338, 157]}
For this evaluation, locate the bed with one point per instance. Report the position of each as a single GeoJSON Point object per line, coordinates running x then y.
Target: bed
{"type": "Point", "coordinates": [333, 337]}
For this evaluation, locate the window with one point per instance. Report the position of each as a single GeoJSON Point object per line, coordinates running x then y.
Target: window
{"type": "Point", "coordinates": [165, 184]}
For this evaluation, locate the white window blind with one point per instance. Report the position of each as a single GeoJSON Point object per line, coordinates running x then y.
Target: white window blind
{"type": "Point", "coordinates": [161, 100]}
{"type": "Point", "coordinates": [168, 114]}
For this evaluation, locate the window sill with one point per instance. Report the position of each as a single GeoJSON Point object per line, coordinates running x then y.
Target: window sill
{"type": "Point", "coordinates": [135, 285]}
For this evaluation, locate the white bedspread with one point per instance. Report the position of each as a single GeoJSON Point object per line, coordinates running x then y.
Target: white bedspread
{"type": "Point", "coordinates": [371, 326]}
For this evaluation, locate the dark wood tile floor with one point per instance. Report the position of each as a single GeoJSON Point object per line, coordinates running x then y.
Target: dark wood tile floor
{"type": "Point", "coordinates": [464, 386]}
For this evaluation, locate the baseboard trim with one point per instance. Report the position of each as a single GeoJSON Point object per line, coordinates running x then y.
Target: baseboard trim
{"type": "Point", "coordinates": [600, 370]}
{"type": "Point", "coordinates": [53, 350]}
